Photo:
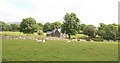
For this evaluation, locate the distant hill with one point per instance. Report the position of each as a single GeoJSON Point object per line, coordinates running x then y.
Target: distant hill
{"type": "Point", "coordinates": [13, 23]}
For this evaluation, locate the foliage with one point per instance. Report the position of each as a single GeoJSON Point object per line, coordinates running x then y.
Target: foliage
{"type": "Point", "coordinates": [108, 32]}
{"type": "Point", "coordinates": [28, 25]}
{"type": "Point", "coordinates": [3, 26]}
{"type": "Point", "coordinates": [40, 26]}
{"type": "Point", "coordinates": [118, 35]}
{"type": "Point", "coordinates": [50, 26]}
{"type": "Point", "coordinates": [47, 27]}
{"type": "Point", "coordinates": [98, 39]}
{"type": "Point", "coordinates": [102, 26]}
{"type": "Point", "coordinates": [90, 30]}
{"type": "Point", "coordinates": [56, 25]}
{"type": "Point", "coordinates": [82, 26]}
{"type": "Point", "coordinates": [70, 24]}
{"type": "Point", "coordinates": [14, 27]}
{"type": "Point", "coordinates": [40, 32]}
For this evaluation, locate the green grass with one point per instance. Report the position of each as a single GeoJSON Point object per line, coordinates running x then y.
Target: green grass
{"type": "Point", "coordinates": [9, 33]}
{"type": "Point", "coordinates": [0, 50]}
{"type": "Point", "coordinates": [78, 36]}
{"type": "Point", "coordinates": [59, 50]}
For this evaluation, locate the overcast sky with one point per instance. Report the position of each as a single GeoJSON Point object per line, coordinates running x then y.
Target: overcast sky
{"type": "Point", "coordinates": [88, 11]}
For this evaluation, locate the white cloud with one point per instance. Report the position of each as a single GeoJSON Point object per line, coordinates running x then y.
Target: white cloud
{"type": "Point", "coordinates": [89, 11]}
{"type": "Point", "coordinates": [9, 12]}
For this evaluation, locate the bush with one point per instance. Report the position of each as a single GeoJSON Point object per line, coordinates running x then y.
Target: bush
{"type": "Point", "coordinates": [81, 36]}
{"type": "Point", "coordinates": [40, 32]}
{"type": "Point", "coordinates": [97, 39]}
{"type": "Point", "coordinates": [73, 37]}
{"type": "Point", "coordinates": [4, 34]}
{"type": "Point", "coordinates": [87, 39]}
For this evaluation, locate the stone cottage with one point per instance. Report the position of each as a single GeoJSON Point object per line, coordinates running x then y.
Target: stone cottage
{"type": "Point", "coordinates": [55, 33]}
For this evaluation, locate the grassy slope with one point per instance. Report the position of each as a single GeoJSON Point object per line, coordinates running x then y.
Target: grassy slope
{"type": "Point", "coordinates": [9, 33]}
{"type": "Point", "coordinates": [26, 50]}
{"type": "Point", "coordinates": [0, 50]}
{"type": "Point", "coordinates": [35, 34]}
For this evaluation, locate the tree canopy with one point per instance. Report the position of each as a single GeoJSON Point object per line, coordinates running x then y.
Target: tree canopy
{"type": "Point", "coordinates": [90, 30]}
{"type": "Point", "coordinates": [56, 25]}
{"type": "Point", "coordinates": [47, 27]}
{"type": "Point", "coordinates": [70, 24]}
{"type": "Point", "coordinates": [28, 25]}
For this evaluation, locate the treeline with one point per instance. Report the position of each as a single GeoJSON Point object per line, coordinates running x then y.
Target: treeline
{"type": "Point", "coordinates": [18, 27]}
{"type": "Point", "coordinates": [70, 26]}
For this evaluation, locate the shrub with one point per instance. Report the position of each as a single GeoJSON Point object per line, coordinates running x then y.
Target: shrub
{"type": "Point", "coordinates": [4, 34]}
{"type": "Point", "coordinates": [40, 32]}
{"type": "Point", "coordinates": [73, 37]}
{"type": "Point", "coordinates": [87, 39]}
{"type": "Point", "coordinates": [97, 39]}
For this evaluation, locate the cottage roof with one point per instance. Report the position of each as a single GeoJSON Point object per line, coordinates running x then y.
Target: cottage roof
{"type": "Point", "coordinates": [49, 32]}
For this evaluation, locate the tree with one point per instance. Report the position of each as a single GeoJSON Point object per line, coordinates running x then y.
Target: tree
{"type": "Point", "coordinates": [14, 27]}
{"type": "Point", "coordinates": [111, 32]}
{"type": "Point", "coordinates": [108, 32]}
{"type": "Point", "coordinates": [47, 27]}
{"type": "Point", "coordinates": [101, 30]}
{"type": "Point", "coordinates": [100, 33]}
{"type": "Point", "coordinates": [90, 30]}
{"type": "Point", "coordinates": [1, 26]}
{"type": "Point", "coordinates": [118, 32]}
{"type": "Point", "coordinates": [4, 26]}
{"type": "Point", "coordinates": [102, 26]}
{"type": "Point", "coordinates": [28, 25]}
{"type": "Point", "coordinates": [70, 24]}
{"type": "Point", "coordinates": [56, 25]}
{"type": "Point", "coordinates": [40, 26]}
{"type": "Point", "coordinates": [82, 26]}
{"type": "Point", "coordinates": [40, 32]}
{"type": "Point", "coordinates": [119, 27]}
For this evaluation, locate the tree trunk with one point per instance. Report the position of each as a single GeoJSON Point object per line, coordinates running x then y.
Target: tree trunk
{"type": "Point", "coordinates": [69, 36]}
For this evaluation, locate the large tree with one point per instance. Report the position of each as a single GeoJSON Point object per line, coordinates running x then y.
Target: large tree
{"type": "Point", "coordinates": [4, 26]}
{"type": "Point", "coordinates": [28, 25]}
{"type": "Point", "coordinates": [111, 32]}
{"type": "Point", "coordinates": [70, 24]}
{"type": "Point", "coordinates": [82, 26]}
{"type": "Point", "coordinates": [56, 25]}
{"type": "Point", "coordinates": [47, 27]}
{"type": "Point", "coordinates": [118, 32]}
{"type": "Point", "coordinates": [39, 26]}
{"type": "Point", "coordinates": [14, 27]}
{"type": "Point", "coordinates": [108, 32]}
{"type": "Point", "coordinates": [101, 29]}
{"type": "Point", "coordinates": [90, 30]}
{"type": "Point", "coordinates": [102, 26]}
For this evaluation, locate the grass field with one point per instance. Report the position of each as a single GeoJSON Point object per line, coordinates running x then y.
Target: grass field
{"type": "Point", "coordinates": [8, 33]}
{"type": "Point", "coordinates": [58, 50]}
{"type": "Point", "coordinates": [0, 50]}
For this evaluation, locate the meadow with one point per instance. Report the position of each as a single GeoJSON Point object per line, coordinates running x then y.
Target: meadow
{"type": "Point", "coordinates": [0, 50]}
{"type": "Point", "coordinates": [58, 50]}
{"type": "Point", "coordinates": [9, 33]}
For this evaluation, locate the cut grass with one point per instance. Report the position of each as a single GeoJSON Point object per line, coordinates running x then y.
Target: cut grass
{"type": "Point", "coordinates": [59, 50]}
